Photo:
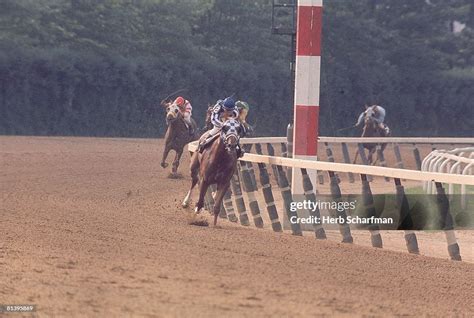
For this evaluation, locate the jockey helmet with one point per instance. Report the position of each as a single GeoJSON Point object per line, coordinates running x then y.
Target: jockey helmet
{"type": "Point", "coordinates": [179, 101]}
{"type": "Point", "coordinates": [228, 103]}
{"type": "Point", "coordinates": [242, 105]}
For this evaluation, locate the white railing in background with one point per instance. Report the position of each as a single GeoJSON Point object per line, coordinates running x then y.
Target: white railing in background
{"type": "Point", "coordinates": [401, 140]}
{"type": "Point", "coordinates": [459, 161]}
{"type": "Point", "coordinates": [344, 167]}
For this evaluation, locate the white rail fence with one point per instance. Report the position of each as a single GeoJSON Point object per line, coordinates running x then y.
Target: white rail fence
{"type": "Point", "coordinates": [459, 161]}
{"type": "Point", "coordinates": [245, 182]}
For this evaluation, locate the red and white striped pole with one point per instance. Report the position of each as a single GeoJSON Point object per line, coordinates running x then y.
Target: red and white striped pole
{"type": "Point", "coordinates": [307, 80]}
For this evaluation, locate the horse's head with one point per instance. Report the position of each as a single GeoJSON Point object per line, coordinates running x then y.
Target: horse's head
{"type": "Point", "coordinates": [230, 133]}
{"type": "Point", "coordinates": [172, 112]}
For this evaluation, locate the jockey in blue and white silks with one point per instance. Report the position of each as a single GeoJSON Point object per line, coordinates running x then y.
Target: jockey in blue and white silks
{"type": "Point", "coordinates": [375, 111]}
{"type": "Point", "coordinates": [223, 110]}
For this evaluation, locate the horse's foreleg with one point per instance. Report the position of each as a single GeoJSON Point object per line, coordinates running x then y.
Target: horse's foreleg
{"type": "Point", "coordinates": [221, 191]}
{"type": "Point", "coordinates": [202, 192]}
{"type": "Point", "coordinates": [176, 161]}
{"type": "Point", "coordinates": [165, 155]}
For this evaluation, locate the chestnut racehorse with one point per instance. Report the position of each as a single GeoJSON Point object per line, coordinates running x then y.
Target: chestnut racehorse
{"type": "Point", "coordinates": [215, 165]}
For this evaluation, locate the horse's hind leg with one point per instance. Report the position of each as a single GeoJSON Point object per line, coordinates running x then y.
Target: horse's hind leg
{"type": "Point", "coordinates": [195, 179]}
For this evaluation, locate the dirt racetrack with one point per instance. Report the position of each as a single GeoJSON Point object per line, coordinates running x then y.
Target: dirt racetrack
{"type": "Point", "coordinates": [92, 227]}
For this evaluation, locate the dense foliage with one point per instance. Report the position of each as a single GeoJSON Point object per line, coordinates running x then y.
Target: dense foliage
{"type": "Point", "coordinates": [100, 67]}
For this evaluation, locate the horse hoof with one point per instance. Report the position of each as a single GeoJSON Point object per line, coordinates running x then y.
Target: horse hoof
{"type": "Point", "coordinates": [164, 164]}
{"type": "Point", "coordinates": [184, 204]}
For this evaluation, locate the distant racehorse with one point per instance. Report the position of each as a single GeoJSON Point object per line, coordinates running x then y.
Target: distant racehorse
{"type": "Point", "coordinates": [372, 129]}
{"type": "Point", "coordinates": [177, 135]}
{"type": "Point", "coordinates": [216, 164]}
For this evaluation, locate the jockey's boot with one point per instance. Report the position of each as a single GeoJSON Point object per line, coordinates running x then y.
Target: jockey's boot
{"type": "Point", "coordinates": [202, 144]}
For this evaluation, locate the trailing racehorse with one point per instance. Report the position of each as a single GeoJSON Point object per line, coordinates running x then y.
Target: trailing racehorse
{"type": "Point", "coordinates": [372, 129]}
{"type": "Point", "coordinates": [177, 135]}
{"type": "Point", "coordinates": [215, 165]}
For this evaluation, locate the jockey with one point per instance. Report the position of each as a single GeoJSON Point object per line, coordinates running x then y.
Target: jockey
{"type": "Point", "coordinates": [243, 108]}
{"type": "Point", "coordinates": [222, 110]}
{"type": "Point", "coordinates": [186, 110]}
{"type": "Point", "coordinates": [377, 112]}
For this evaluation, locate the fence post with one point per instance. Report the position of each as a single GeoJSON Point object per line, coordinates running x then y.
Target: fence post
{"type": "Point", "coordinates": [239, 200]}
{"type": "Point", "coordinates": [344, 228]}
{"type": "Point", "coordinates": [268, 196]}
{"type": "Point", "coordinates": [447, 222]}
{"type": "Point", "coordinates": [229, 207]}
{"type": "Point", "coordinates": [284, 150]}
{"type": "Point", "coordinates": [363, 157]}
{"type": "Point", "coordinates": [381, 158]}
{"type": "Point", "coordinates": [368, 200]}
{"type": "Point", "coordinates": [267, 193]}
{"type": "Point", "coordinates": [247, 148]}
{"type": "Point", "coordinates": [416, 153]}
{"type": "Point", "coordinates": [250, 191]}
{"type": "Point", "coordinates": [271, 152]}
{"type": "Point", "coordinates": [311, 196]}
{"type": "Point", "coordinates": [398, 156]}
{"type": "Point", "coordinates": [406, 222]}
{"type": "Point", "coordinates": [287, 199]}
{"type": "Point", "coordinates": [289, 138]}
{"type": "Point", "coordinates": [347, 159]}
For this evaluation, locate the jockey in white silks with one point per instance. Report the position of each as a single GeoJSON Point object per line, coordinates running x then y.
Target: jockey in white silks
{"type": "Point", "coordinates": [375, 111]}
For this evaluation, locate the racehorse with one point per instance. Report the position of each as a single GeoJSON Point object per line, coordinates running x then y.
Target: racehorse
{"type": "Point", "coordinates": [215, 165]}
{"type": "Point", "coordinates": [177, 135]}
{"type": "Point", "coordinates": [372, 129]}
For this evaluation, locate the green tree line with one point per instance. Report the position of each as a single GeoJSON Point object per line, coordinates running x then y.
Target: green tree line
{"type": "Point", "coordinates": [100, 67]}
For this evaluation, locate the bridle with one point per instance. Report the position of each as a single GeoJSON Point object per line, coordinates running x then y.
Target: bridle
{"type": "Point", "coordinates": [172, 113]}
{"type": "Point", "coordinates": [230, 134]}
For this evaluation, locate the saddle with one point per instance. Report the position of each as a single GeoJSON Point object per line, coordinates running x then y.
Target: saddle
{"type": "Point", "coordinates": [205, 142]}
